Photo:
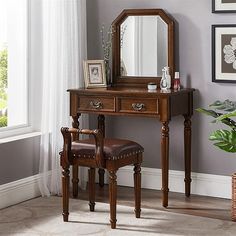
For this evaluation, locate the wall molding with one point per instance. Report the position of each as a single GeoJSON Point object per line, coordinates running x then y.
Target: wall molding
{"type": "Point", "coordinates": [18, 191]}
{"type": "Point", "coordinates": [202, 184]}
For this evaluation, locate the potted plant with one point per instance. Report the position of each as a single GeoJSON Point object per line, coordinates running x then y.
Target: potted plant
{"type": "Point", "coordinates": [225, 139]}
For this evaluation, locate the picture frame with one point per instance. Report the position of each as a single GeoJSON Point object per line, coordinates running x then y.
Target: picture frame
{"type": "Point", "coordinates": [94, 73]}
{"type": "Point", "coordinates": [223, 6]}
{"type": "Point", "coordinates": [224, 53]}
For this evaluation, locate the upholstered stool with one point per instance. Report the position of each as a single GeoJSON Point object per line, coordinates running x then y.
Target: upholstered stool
{"type": "Point", "coordinates": [97, 152]}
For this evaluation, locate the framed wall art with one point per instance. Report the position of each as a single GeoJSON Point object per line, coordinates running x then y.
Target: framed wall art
{"type": "Point", "coordinates": [223, 6]}
{"type": "Point", "coordinates": [94, 73]}
{"type": "Point", "coordinates": [224, 53]}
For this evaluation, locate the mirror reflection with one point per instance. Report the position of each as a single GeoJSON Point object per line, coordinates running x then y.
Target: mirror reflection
{"type": "Point", "coordinates": [143, 46]}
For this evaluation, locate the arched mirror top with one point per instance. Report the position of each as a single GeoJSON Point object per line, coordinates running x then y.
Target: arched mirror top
{"type": "Point", "coordinates": [143, 43]}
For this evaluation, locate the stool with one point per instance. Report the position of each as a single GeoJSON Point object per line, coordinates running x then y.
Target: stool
{"type": "Point", "coordinates": [99, 152]}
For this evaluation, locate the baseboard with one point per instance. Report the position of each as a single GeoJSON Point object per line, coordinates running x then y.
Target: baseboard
{"type": "Point", "coordinates": [202, 184]}
{"type": "Point", "coordinates": [19, 191]}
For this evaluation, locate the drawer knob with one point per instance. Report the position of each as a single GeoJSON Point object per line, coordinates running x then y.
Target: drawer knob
{"type": "Point", "coordinates": [138, 106]}
{"type": "Point", "coordinates": [96, 104]}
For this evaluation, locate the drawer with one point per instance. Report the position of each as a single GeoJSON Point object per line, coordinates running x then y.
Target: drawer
{"type": "Point", "coordinates": [92, 103]}
{"type": "Point", "coordinates": [139, 105]}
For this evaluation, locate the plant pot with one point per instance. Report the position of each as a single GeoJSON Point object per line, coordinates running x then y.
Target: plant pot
{"type": "Point", "coordinates": [233, 210]}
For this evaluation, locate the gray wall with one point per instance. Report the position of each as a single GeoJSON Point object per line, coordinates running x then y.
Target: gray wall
{"type": "Point", "coordinates": [19, 159]}
{"type": "Point", "coordinates": [194, 62]}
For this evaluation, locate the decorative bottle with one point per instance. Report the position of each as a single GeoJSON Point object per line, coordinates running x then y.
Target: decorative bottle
{"type": "Point", "coordinates": [163, 83]}
{"type": "Point", "coordinates": [177, 81]}
{"type": "Point", "coordinates": [168, 77]}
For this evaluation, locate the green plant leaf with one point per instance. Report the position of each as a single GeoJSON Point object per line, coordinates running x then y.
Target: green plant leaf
{"type": "Point", "coordinates": [208, 112]}
{"type": "Point", "coordinates": [224, 139]}
{"type": "Point", "coordinates": [216, 103]}
{"type": "Point", "coordinates": [226, 105]}
{"type": "Point", "coordinates": [3, 121]}
{"type": "Point", "coordinates": [227, 121]}
{"type": "Point", "coordinates": [225, 118]}
{"type": "Point", "coordinates": [227, 115]}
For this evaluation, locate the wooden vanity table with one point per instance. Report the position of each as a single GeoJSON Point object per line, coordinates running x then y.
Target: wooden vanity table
{"type": "Point", "coordinates": [129, 96]}
{"type": "Point", "coordinates": [139, 102]}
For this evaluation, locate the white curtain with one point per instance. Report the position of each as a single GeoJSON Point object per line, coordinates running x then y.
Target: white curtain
{"type": "Point", "coordinates": [64, 48]}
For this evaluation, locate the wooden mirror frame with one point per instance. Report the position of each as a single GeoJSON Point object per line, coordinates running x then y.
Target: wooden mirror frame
{"type": "Point", "coordinates": [133, 81]}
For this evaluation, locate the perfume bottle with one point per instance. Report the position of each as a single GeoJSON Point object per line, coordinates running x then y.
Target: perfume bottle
{"type": "Point", "coordinates": [168, 77]}
{"type": "Point", "coordinates": [177, 81]}
{"type": "Point", "coordinates": [163, 83]}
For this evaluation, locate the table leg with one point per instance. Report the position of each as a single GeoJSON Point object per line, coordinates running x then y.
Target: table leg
{"type": "Point", "coordinates": [165, 162]}
{"type": "Point", "coordinates": [101, 126]}
{"type": "Point", "coordinates": [75, 181]}
{"type": "Point", "coordinates": [75, 178]}
{"type": "Point", "coordinates": [187, 154]}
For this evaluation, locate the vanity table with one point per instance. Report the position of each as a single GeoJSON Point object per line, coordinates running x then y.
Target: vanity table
{"type": "Point", "coordinates": [129, 96]}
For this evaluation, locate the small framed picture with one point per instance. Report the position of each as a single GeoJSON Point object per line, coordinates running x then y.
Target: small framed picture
{"type": "Point", "coordinates": [224, 53]}
{"type": "Point", "coordinates": [94, 73]}
{"type": "Point", "coordinates": [223, 6]}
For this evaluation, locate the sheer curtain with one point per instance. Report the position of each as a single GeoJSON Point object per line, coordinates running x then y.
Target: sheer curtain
{"type": "Point", "coordinates": [64, 48]}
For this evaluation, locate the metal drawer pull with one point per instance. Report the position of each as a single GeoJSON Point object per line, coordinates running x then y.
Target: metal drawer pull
{"type": "Point", "coordinates": [138, 106]}
{"type": "Point", "coordinates": [96, 105]}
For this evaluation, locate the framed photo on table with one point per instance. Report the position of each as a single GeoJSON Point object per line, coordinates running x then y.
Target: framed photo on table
{"type": "Point", "coordinates": [223, 6]}
{"type": "Point", "coordinates": [224, 53]}
{"type": "Point", "coordinates": [94, 73]}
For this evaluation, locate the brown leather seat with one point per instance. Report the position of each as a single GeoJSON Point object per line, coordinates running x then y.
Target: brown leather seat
{"type": "Point", "coordinates": [113, 149]}
{"type": "Point", "coordinates": [97, 152]}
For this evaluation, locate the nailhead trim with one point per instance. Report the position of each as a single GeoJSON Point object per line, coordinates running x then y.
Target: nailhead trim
{"type": "Point", "coordinates": [124, 155]}
{"type": "Point", "coordinates": [111, 157]}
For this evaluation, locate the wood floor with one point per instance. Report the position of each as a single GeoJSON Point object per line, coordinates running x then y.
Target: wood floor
{"type": "Point", "coordinates": [216, 208]}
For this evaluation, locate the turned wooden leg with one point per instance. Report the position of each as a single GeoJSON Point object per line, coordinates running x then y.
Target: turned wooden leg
{"type": "Point", "coordinates": [91, 173]}
{"type": "Point", "coordinates": [101, 126]}
{"type": "Point", "coordinates": [101, 173]}
{"type": "Point", "coordinates": [137, 189]}
{"type": "Point", "coordinates": [75, 177]}
{"type": "Point", "coordinates": [165, 162]}
{"type": "Point", "coordinates": [112, 197]}
{"type": "Point", "coordinates": [187, 155]}
{"type": "Point", "coordinates": [65, 192]}
{"type": "Point", "coordinates": [75, 181]}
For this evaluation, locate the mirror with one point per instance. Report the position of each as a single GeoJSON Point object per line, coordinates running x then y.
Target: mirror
{"type": "Point", "coordinates": [143, 46]}
{"type": "Point", "coordinates": [143, 43]}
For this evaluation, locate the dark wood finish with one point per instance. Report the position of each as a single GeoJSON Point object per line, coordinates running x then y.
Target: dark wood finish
{"type": "Point", "coordinates": [94, 103]}
{"type": "Point", "coordinates": [75, 170]}
{"type": "Point", "coordinates": [101, 173]}
{"type": "Point", "coordinates": [65, 186]}
{"type": "Point", "coordinates": [165, 162]}
{"type": "Point", "coordinates": [70, 158]}
{"type": "Point", "coordinates": [65, 191]}
{"type": "Point", "coordinates": [159, 105]}
{"type": "Point", "coordinates": [187, 154]}
{"type": "Point", "coordinates": [91, 174]}
{"type": "Point", "coordinates": [101, 126]}
{"type": "Point", "coordinates": [137, 187]}
{"type": "Point", "coordinates": [144, 105]}
{"type": "Point", "coordinates": [112, 197]}
{"type": "Point", "coordinates": [135, 81]}
{"type": "Point", "coordinates": [75, 180]}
